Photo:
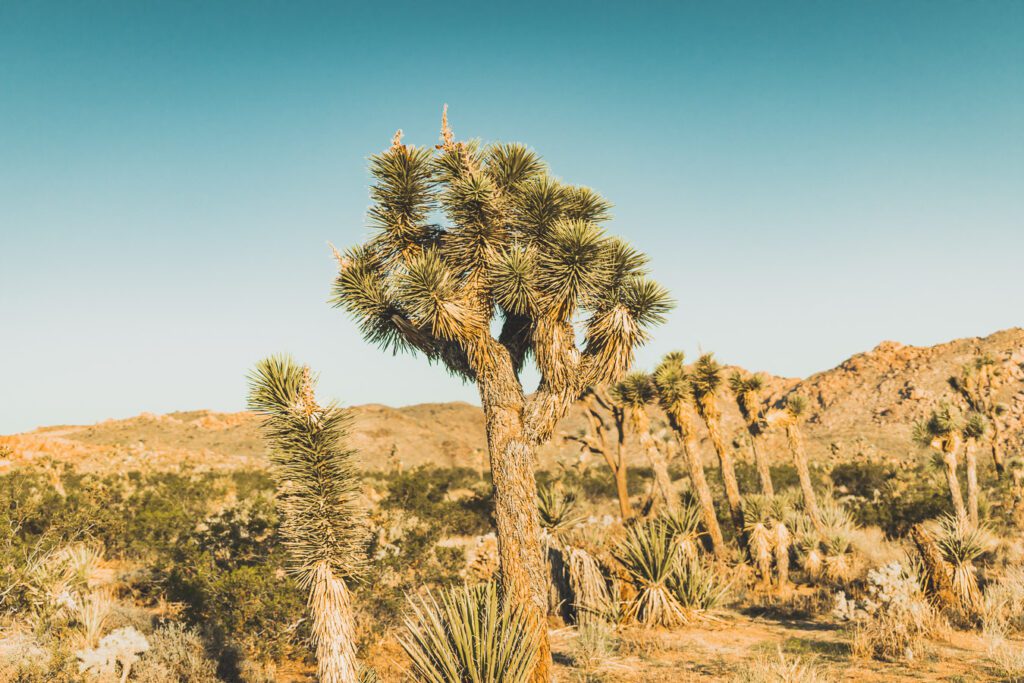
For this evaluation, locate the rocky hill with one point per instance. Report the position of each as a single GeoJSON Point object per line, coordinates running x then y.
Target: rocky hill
{"type": "Point", "coordinates": [866, 405]}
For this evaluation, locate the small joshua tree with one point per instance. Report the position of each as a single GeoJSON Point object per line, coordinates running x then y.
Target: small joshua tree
{"type": "Point", "coordinates": [976, 385]}
{"type": "Point", "coordinates": [520, 252]}
{"type": "Point", "coordinates": [672, 382]}
{"type": "Point", "coordinates": [974, 429]}
{"type": "Point", "coordinates": [789, 417]}
{"type": "Point", "coordinates": [318, 492]}
{"type": "Point", "coordinates": [634, 394]}
{"type": "Point", "coordinates": [705, 379]}
{"type": "Point", "coordinates": [603, 415]}
{"type": "Point", "coordinates": [942, 431]}
{"type": "Point", "coordinates": [747, 390]}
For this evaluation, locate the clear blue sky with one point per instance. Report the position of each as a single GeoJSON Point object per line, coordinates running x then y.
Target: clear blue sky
{"type": "Point", "coordinates": [810, 178]}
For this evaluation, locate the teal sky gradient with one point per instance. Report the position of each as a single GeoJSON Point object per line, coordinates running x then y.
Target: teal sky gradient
{"type": "Point", "coordinates": [809, 178]}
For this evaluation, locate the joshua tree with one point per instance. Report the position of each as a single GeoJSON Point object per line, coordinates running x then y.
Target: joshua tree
{"type": "Point", "coordinates": [519, 252]}
{"type": "Point", "coordinates": [705, 379]}
{"type": "Point", "coordinates": [976, 384]}
{"type": "Point", "coordinates": [318, 493]}
{"type": "Point", "coordinates": [789, 417]}
{"type": "Point", "coordinates": [634, 393]}
{"type": "Point", "coordinates": [674, 396]}
{"type": "Point", "coordinates": [974, 429]}
{"type": "Point", "coordinates": [746, 390]}
{"type": "Point", "coordinates": [942, 431]}
{"type": "Point", "coordinates": [598, 440]}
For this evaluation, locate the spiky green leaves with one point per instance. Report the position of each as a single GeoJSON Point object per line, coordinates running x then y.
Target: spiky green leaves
{"type": "Point", "coordinates": [435, 301]}
{"type": "Point", "coordinates": [975, 425]}
{"type": "Point", "coordinates": [470, 636]}
{"type": "Point", "coordinates": [635, 391]}
{"type": "Point", "coordinates": [402, 195]}
{"type": "Point", "coordinates": [796, 405]}
{"type": "Point", "coordinates": [318, 487]}
{"type": "Point", "coordinates": [517, 243]}
{"type": "Point", "coordinates": [942, 425]}
{"type": "Point", "coordinates": [571, 265]}
{"type": "Point", "coordinates": [705, 377]}
{"type": "Point", "coordinates": [672, 382]}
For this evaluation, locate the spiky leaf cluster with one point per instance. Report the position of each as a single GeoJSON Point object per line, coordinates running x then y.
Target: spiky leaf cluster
{"type": "Point", "coordinates": [515, 246]}
{"type": "Point", "coordinates": [470, 636]}
{"type": "Point", "coordinates": [941, 425]}
{"type": "Point", "coordinates": [706, 377]}
{"type": "Point", "coordinates": [975, 426]}
{"type": "Point", "coordinates": [318, 484]}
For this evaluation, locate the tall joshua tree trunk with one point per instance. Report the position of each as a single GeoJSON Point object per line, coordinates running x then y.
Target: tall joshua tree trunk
{"type": "Point", "coordinates": [332, 627]}
{"type": "Point", "coordinates": [972, 482]}
{"type": "Point", "coordinates": [524, 576]}
{"type": "Point", "coordinates": [746, 392]}
{"type": "Point", "coordinates": [711, 416]}
{"type": "Point", "coordinates": [949, 467]}
{"type": "Point", "coordinates": [796, 447]}
{"type": "Point", "coordinates": [659, 465]}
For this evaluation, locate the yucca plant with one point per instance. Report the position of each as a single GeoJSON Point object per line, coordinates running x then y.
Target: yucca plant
{"type": "Point", "coordinates": [557, 506]}
{"type": "Point", "coordinates": [516, 251]}
{"type": "Point", "coordinates": [468, 635]}
{"type": "Point", "coordinates": [974, 429]}
{"type": "Point", "coordinates": [649, 555]}
{"type": "Point", "coordinates": [634, 393]}
{"type": "Point", "coordinates": [323, 517]}
{"type": "Point", "coordinates": [675, 397]}
{"type": "Point", "coordinates": [808, 543]}
{"type": "Point", "coordinates": [698, 587]}
{"type": "Point", "coordinates": [684, 524]}
{"type": "Point", "coordinates": [705, 380]}
{"type": "Point", "coordinates": [942, 430]}
{"type": "Point", "coordinates": [837, 560]}
{"type": "Point", "coordinates": [961, 544]}
{"type": "Point", "coordinates": [747, 391]}
{"type": "Point", "coordinates": [592, 600]}
{"type": "Point", "coordinates": [760, 538]}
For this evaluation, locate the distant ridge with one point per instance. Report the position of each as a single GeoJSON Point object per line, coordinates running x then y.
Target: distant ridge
{"type": "Point", "coordinates": [864, 406]}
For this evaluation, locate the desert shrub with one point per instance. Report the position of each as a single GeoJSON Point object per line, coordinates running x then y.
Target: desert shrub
{"type": "Point", "coordinates": [424, 492]}
{"type": "Point", "coordinates": [781, 669]}
{"type": "Point", "coordinates": [893, 499]}
{"type": "Point", "coordinates": [1004, 603]}
{"type": "Point", "coordinates": [470, 636]}
{"type": "Point", "coordinates": [229, 573]}
{"type": "Point", "coordinates": [594, 645]}
{"type": "Point", "coordinates": [698, 587]}
{"type": "Point", "coordinates": [893, 619]}
{"type": "Point", "coordinates": [176, 655]}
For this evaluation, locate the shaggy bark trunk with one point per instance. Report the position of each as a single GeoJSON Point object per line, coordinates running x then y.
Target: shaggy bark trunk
{"type": "Point", "coordinates": [796, 448]}
{"type": "Point", "coordinates": [732, 487]}
{"type": "Point", "coordinates": [524, 577]}
{"type": "Point", "coordinates": [333, 629]}
{"type": "Point", "coordinates": [662, 479]}
{"type": "Point", "coordinates": [764, 472]}
{"type": "Point", "coordinates": [997, 451]}
{"type": "Point", "coordinates": [622, 491]}
{"type": "Point", "coordinates": [949, 460]}
{"type": "Point", "coordinates": [939, 585]}
{"type": "Point", "coordinates": [972, 483]}
{"type": "Point", "coordinates": [688, 442]}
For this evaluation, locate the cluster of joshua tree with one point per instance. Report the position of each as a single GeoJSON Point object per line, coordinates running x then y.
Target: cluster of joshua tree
{"type": "Point", "coordinates": [480, 260]}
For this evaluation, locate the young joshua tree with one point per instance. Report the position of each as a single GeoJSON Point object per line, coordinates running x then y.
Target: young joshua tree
{"type": "Point", "coordinates": [519, 252]}
{"type": "Point", "coordinates": [705, 379]}
{"type": "Point", "coordinates": [976, 384]}
{"type": "Point", "coordinates": [794, 408]}
{"type": "Point", "coordinates": [604, 415]}
{"type": "Point", "coordinates": [974, 429]}
{"type": "Point", "coordinates": [672, 382]}
{"type": "Point", "coordinates": [318, 493]}
{"type": "Point", "coordinates": [747, 390]}
{"type": "Point", "coordinates": [635, 392]}
{"type": "Point", "coordinates": [942, 431]}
